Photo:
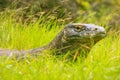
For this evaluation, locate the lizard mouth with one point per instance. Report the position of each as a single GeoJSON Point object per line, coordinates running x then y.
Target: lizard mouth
{"type": "Point", "coordinates": [94, 38]}
{"type": "Point", "coordinates": [101, 34]}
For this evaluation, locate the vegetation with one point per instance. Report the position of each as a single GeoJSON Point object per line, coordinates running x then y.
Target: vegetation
{"type": "Point", "coordinates": [102, 62]}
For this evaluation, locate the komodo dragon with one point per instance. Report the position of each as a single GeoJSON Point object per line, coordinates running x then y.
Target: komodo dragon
{"type": "Point", "coordinates": [72, 37]}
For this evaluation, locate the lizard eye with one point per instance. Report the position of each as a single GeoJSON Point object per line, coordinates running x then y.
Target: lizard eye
{"type": "Point", "coordinates": [79, 28]}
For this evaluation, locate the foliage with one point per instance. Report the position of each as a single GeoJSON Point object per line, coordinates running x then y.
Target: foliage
{"type": "Point", "coordinates": [66, 10]}
{"type": "Point", "coordinates": [102, 62]}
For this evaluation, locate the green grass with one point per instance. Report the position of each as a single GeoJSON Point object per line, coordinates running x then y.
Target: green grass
{"type": "Point", "coordinates": [102, 63]}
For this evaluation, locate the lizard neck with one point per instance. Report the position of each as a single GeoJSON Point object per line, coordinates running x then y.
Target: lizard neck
{"type": "Point", "coordinates": [57, 42]}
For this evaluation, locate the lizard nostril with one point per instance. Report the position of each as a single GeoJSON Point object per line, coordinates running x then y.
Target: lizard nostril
{"type": "Point", "coordinates": [95, 29]}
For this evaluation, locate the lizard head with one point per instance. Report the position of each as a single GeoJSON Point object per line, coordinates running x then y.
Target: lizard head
{"type": "Point", "coordinates": [83, 33]}
{"type": "Point", "coordinates": [77, 36]}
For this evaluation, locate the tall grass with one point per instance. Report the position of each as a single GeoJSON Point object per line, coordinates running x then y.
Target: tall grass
{"type": "Point", "coordinates": [102, 63]}
{"type": "Point", "coordinates": [24, 36]}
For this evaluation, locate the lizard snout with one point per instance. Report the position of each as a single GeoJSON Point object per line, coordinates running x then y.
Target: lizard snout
{"type": "Point", "coordinates": [96, 30]}
{"type": "Point", "coordinates": [100, 31]}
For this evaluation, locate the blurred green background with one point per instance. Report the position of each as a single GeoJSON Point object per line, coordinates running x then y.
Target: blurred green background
{"type": "Point", "coordinates": [27, 24]}
{"type": "Point", "coordinates": [102, 12]}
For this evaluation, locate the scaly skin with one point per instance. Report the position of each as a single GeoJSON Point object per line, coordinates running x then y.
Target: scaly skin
{"type": "Point", "coordinates": [72, 37]}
